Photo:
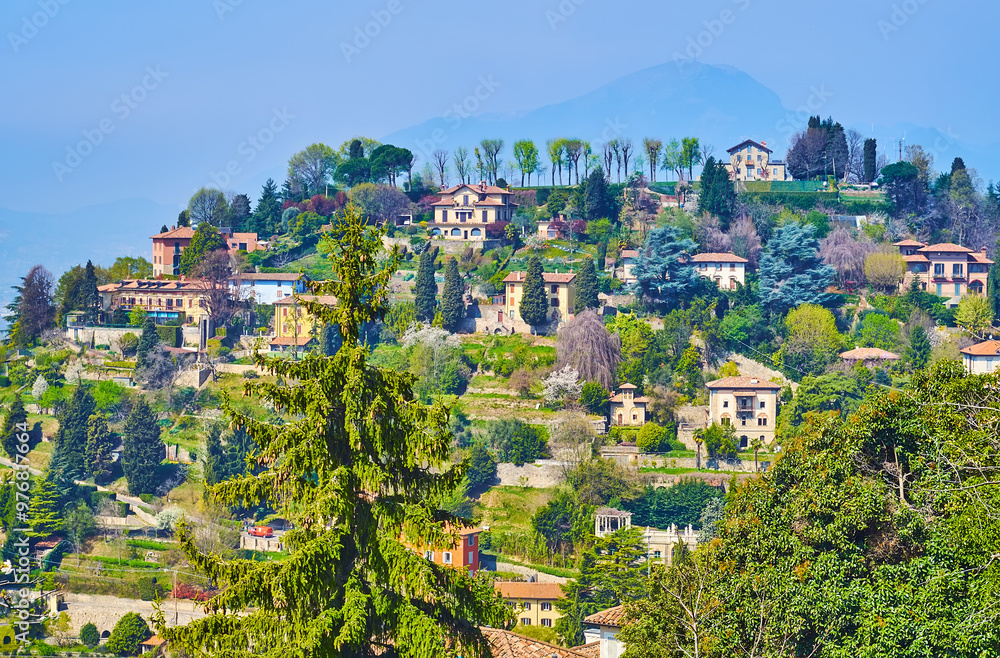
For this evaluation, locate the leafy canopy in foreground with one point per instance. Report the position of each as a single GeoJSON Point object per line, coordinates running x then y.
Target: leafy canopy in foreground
{"type": "Point", "coordinates": [356, 466]}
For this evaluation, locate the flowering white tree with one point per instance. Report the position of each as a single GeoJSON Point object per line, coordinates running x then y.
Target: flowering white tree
{"type": "Point", "coordinates": [562, 385]}
{"type": "Point", "coordinates": [38, 389]}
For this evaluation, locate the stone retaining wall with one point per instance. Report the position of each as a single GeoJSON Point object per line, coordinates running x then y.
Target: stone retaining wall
{"type": "Point", "coordinates": [542, 474]}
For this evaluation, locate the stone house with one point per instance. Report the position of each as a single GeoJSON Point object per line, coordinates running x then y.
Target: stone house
{"type": "Point", "coordinates": [626, 409]}
{"type": "Point", "coordinates": [747, 404]}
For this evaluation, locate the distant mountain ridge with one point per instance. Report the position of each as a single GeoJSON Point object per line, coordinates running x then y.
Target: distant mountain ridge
{"type": "Point", "coordinates": [59, 241]}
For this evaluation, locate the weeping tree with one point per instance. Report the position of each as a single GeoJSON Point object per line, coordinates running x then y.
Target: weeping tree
{"type": "Point", "coordinates": [358, 465]}
{"type": "Point", "coordinates": [586, 346]}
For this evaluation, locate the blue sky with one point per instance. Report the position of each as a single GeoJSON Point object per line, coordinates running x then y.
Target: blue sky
{"type": "Point", "coordinates": [200, 76]}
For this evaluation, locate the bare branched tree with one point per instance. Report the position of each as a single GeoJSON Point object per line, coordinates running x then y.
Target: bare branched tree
{"type": "Point", "coordinates": [441, 164]}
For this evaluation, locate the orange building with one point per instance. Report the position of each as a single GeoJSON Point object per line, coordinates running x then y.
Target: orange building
{"type": "Point", "coordinates": [462, 555]}
{"type": "Point", "coordinates": [946, 270]}
{"type": "Point", "coordinates": [168, 247]}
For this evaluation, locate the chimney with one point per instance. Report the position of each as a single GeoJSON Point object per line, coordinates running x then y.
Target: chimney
{"type": "Point", "coordinates": [754, 381]}
{"type": "Point", "coordinates": [172, 227]}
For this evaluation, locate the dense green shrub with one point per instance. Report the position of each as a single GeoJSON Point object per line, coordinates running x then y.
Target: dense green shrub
{"type": "Point", "coordinates": [170, 336]}
{"type": "Point", "coordinates": [89, 635]}
{"type": "Point", "coordinates": [149, 589]}
{"type": "Point", "coordinates": [128, 633]}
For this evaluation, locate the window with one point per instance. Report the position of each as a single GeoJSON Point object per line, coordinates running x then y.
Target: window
{"type": "Point", "coordinates": [718, 266]}
{"type": "Point", "coordinates": [555, 302]}
{"type": "Point", "coordinates": [938, 269]}
{"type": "Point", "coordinates": [429, 555]}
{"type": "Point", "coordinates": [555, 289]}
{"type": "Point", "coordinates": [763, 405]}
{"type": "Point", "coordinates": [762, 421]}
{"type": "Point", "coordinates": [725, 404]}
{"type": "Point", "coordinates": [472, 540]}
{"type": "Point", "coordinates": [527, 606]}
{"type": "Point", "coordinates": [465, 199]}
{"type": "Point", "coordinates": [732, 267]}
{"type": "Point", "coordinates": [939, 290]}
{"type": "Point", "coordinates": [485, 215]}
{"type": "Point", "coordinates": [469, 561]}
{"type": "Point", "coordinates": [447, 557]}
{"type": "Point", "coordinates": [525, 621]}
{"type": "Point", "coordinates": [547, 623]}
{"type": "Point", "coordinates": [444, 215]}
{"type": "Point", "coordinates": [957, 270]}
{"type": "Point", "coordinates": [546, 606]}
{"type": "Point", "coordinates": [657, 554]}
{"type": "Point", "coordinates": [958, 289]}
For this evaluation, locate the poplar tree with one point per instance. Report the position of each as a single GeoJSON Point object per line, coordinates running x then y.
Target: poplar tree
{"type": "Point", "coordinates": [534, 306]}
{"type": "Point", "coordinates": [452, 302]}
{"type": "Point", "coordinates": [425, 289]}
{"type": "Point", "coordinates": [89, 296]}
{"type": "Point", "coordinates": [43, 515]}
{"type": "Point", "coordinates": [358, 466]}
{"type": "Point", "coordinates": [586, 286]}
{"type": "Point", "coordinates": [100, 446]}
{"type": "Point", "coordinates": [142, 449]}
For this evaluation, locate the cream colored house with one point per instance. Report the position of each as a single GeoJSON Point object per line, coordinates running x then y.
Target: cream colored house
{"type": "Point", "coordinates": [628, 259]}
{"type": "Point", "coordinates": [164, 300]}
{"type": "Point", "coordinates": [747, 404]}
{"type": "Point", "coordinates": [626, 409]}
{"type": "Point", "coordinates": [726, 270]}
{"type": "Point", "coordinates": [945, 269]}
{"type": "Point", "coordinates": [534, 604]}
{"type": "Point", "coordinates": [603, 627]}
{"type": "Point", "coordinates": [293, 326]}
{"type": "Point", "coordinates": [662, 543]}
{"type": "Point", "coordinates": [750, 160]}
{"type": "Point", "coordinates": [560, 288]}
{"type": "Point", "coordinates": [983, 358]}
{"type": "Point", "coordinates": [464, 211]}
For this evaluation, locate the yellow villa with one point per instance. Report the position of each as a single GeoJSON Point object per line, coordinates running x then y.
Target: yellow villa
{"type": "Point", "coordinates": [163, 300]}
{"type": "Point", "coordinates": [293, 326]}
{"type": "Point", "coordinates": [464, 211]}
{"type": "Point", "coordinates": [750, 160]}
{"type": "Point", "coordinates": [534, 604]}
{"type": "Point", "coordinates": [626, 409]}
{"type": "Point", "coordinates": [560, 288]}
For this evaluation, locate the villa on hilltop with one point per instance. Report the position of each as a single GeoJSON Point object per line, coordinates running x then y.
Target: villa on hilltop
{"type": "Point", "coordinates": [945, 269]}
{"type": "Point", "coordinates": [465, 211]}
{"type": "Point", "coordinates": [750, 160]}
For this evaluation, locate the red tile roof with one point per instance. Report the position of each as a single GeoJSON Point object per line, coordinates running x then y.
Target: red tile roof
{"type": "Point", "coordinates": [986, 348]}
{"type": "Point", "coordinates": [908, 243]}
{"type": "Point", "coordinates": [504, 644]}
{"type": "Point", "coordinates": [947, 246]}
{"type": "Point", "coordinates": [980, 257]}
{"type": "Point", "coordinates": [180, 233]}
{"type": "Point", "coordinates": [285, 341]}
{"type": "Point", "coordinates": [718, 258]}
{"type": "Point", "coordinates": [490, 189]}
{"type": "Point", "coordinates": [637, 401]}
{"type": "Point", "coordinates": [742, 382]}
{"type": "Point", "coordinates": [626, 385]}
{"type": "Point", "coordinates": [329, 300]}
{"type": "Point", "coordinates": [529, 590]}
{"type": "Point", "coordinates": [868, 354]}
{"type": "Point", "coordinates": [609, 617]}
{"type": "Point", "coordinates": [629, 253]}
{"type": "Point", "coordinates": [548, 277]}
{"type": "Point", "coordinates": [750, 142]}
{"type": "Point", "coordinates": [592, 650]}
{"type": "Point", "coordinates": [916, 258]}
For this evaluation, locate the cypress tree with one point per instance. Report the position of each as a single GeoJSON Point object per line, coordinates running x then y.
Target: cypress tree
{"type": "Point", "coordinates": [425, 290]}
{"type": "Point", "coordinates": [452, 302]}
{"type": "Point", "coordinates": [586, 286]}
{"type": "Point", "coordinates": [89, 297]}
{"type": "Point", "coordinates": [356, 465]}
{"type": "Point", "coordinates": [869, 160]}
{"type": "Point", "coordinates": [100, 445]}
{"type": "Point", "coordinates": [147, 343]}
{"type": "Point", "coordinates": [11, 422]}
{"type": "Point", "coordinates": [919, 352]}
{"type": "Point", "coordinates": [215, 457]}
{"type": "Point", "coordinates": [143, 449]}
{"type": "Point", "coordinates": [534, 306]}
{"type": "Point", "coordinates": [71, 438]}
{"type": "Point", "coordinates": [43, 514]}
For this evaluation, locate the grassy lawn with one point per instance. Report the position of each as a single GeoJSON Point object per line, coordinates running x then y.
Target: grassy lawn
{"type": "Point", "coordinates": [511, 508]}
{"type": "Point", "coordinates": [49, 423]}
{"type": "Point", "coordinates": [41, 456]}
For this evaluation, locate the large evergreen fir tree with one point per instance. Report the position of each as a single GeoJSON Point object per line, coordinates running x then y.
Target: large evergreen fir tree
{"type": "Point", "coordinates": [424, 288]}
{"type": "Point", "coordinates": [452, 297]}
{"type": "Point", "coordinates": [534, 306]}
{"type": "Point", "coordinates": [69, 455]}
{"type": "Point", "coordinates": [359, 466]}
{"type": "Point", "coordinates": [43, 509]}
{"type": "Point", "coordinates": [267, 215]}
{"type": "Point", "coordinates": [586, 286]}
{"type": "Point", "coordinates": [664, 273]}
{"type": "Point", "coordinates": [718, 194]}
{"type": "Point", "coordinates": [791, 271]}
{"type": "Point", "coordinates": [147, 343]}
{"type": "Point", "coordinates": [16, 416]}
{"type": "Point", "coordinates": [142, 449]}
{"type": "Point", "coordinates": [100, 446]}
